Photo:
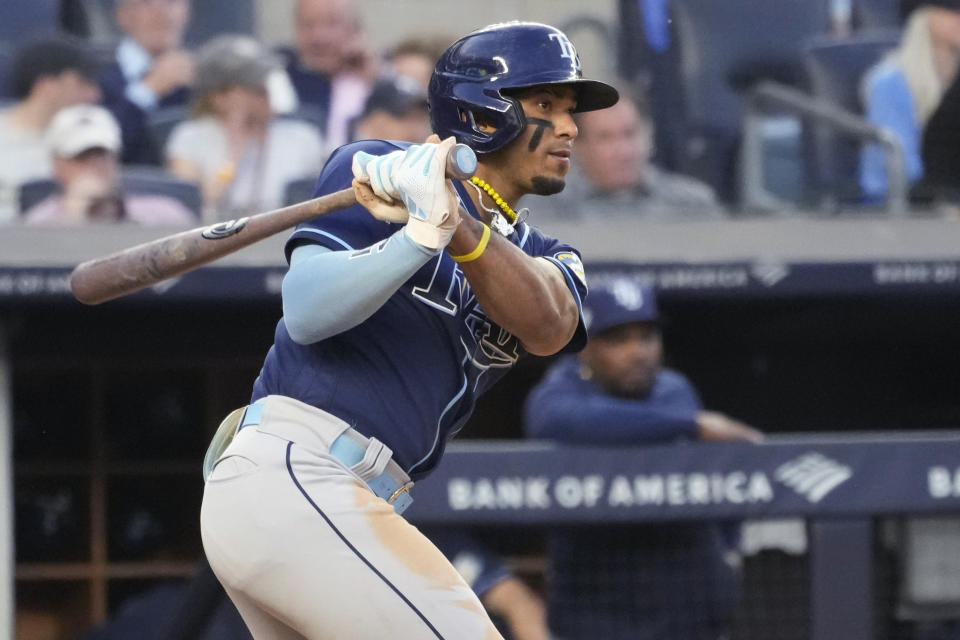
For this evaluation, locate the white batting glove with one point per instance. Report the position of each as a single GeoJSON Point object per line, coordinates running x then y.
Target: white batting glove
{"type": "Point", "coordinates": [380, 172]}
{"type": "Point", "coordinates": [429, 197]}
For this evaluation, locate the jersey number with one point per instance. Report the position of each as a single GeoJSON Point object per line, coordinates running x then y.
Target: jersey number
{"type": "Point", "coordinates": [439, 292]}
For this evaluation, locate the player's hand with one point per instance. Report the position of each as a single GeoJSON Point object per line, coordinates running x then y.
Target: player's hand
{"type": "Point", "coordinates": [417, 178]}
{"type": "Point", "coordinates": [379, 208]}
{"type": "Point", "coordinates": [430, 198]}
{"type": "Point", "coordinates": [712, 425]}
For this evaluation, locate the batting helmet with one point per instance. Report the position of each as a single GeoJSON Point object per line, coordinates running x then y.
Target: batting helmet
{"type": "Point", "coordinates": [476, 75]}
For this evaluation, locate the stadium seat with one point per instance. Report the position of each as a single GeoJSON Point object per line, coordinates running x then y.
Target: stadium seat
{"type": "Point", "coordinates": [25, 19]}
{"type": "Point", "coordinates": [6, 71]}
{"type": "Point", "coordinates": [150, 180]}
{"type": "Point", "coordinates": [876, 14]}
{"type": "Point", "coordinates": [214, 17]}
{"type": "Point", "coordinates": [724, 48]}
{"type": "Point", "coordinates": [142, 180]}
{"type": "Point", "coordinates": [162, 122]}
{"type": "Point", "coordinates": [834, 69]}
{"type": "Point", "coordinates": [34, 191]}
{"type": "Point", "coordinates": [298, 190]}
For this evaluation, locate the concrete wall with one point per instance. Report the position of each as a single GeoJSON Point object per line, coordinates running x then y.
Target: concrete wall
{"type": "Point", "coordinates": [388, 21]}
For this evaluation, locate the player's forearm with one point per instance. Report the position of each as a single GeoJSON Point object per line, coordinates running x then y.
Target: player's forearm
{"type": "Point", "coordinates": [525, 296]}
{"type": "Point", "coordinates": [327, 292]}
{"type": "Point", "coordinates": [520, 606]}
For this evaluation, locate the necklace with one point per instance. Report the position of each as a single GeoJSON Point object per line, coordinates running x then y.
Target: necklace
{"type": "Point", "coordinates": [507, 210]}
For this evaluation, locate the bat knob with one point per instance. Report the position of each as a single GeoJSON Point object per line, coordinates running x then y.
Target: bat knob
{"type": "Point", "coordinates": [462, 162]}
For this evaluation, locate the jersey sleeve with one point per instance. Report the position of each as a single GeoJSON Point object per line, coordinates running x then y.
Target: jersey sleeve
{"type": "Point", "coordinates": [568, 260]}
{"type": "Point", "coordinates": [350, 228]}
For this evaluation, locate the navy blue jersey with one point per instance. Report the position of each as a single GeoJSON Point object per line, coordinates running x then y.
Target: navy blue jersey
{"type": "Point", "coordinates": [411, 373]}
{"type": "Point", "coordinates": [568, 408]}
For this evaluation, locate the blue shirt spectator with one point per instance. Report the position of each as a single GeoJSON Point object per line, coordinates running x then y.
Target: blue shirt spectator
{"type": "Point", "coordinates": [333, 67]}
{"type": "Point", "coordinates": [890, 106]}
{"type": "Point", "coordinates": [150, 71]}
{"type": "Point", "coordinates": [904, 89]}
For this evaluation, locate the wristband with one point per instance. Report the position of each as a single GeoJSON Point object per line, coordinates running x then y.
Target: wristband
{"type": "Point", "coordinates": [476, 253]}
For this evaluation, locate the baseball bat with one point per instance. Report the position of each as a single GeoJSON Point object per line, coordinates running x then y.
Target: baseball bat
{"type": "Point", "coordinates": [143, 265]}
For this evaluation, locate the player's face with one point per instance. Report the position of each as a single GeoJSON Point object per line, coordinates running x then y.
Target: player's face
{"type": "Point", "coordinates": [625, 360]}
{"type": "Point", "coordinates": [539, 159]}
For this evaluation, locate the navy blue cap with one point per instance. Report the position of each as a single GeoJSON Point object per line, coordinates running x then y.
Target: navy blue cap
{"type": "Point", "coordinates": [619, 301]}
{"type": "Point", "coordinates": [396, 95]}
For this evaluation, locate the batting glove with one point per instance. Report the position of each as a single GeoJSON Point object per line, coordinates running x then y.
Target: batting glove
{"type": "Point", "coordinates": [428, 195]}
{"type": "Point", "coordinates": [380, 172]}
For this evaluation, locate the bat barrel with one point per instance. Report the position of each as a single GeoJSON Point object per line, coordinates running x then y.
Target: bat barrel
{"type": "Point", "coordinates": [138, 267]}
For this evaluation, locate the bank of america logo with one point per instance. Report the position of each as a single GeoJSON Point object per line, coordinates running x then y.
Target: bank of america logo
{"type": "Point", "coordinates": [813, 475]}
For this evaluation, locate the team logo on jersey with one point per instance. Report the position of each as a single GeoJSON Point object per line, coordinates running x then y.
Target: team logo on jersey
{"type": "Point", "coordinates": [224, 229]}
{"type": "Point", "coordinates": [573, 263]}
{"type": "Point", "coordinates": [497, 346]}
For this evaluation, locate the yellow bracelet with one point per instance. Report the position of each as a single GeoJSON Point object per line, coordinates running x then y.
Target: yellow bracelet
{"type": "Point", "coordinates": [476, 253]}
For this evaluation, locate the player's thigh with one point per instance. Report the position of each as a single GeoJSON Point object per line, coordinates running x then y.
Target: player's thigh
{"type": "Point", "coordinates": [301, 537]}
{"type": "Point", "coordinates": [262, 625]}
{"type": "Point", "coordinates": [378, 575]}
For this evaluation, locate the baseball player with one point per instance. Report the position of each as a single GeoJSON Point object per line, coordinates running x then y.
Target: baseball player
{"type": "Point", "coordinates": [393, 325]}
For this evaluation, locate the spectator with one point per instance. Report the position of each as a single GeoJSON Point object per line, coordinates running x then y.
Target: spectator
{"type": "Point", "coordinates": [49, 74]}
{"type": "Point", "coordinates": [234, 146]}
{"type": "Point", "coordinates": [416, 56]}
{"type": "Point", "coordinates": [396, 109]}
{"type": "Point", "coordinates": [940, 151]}
{"type": "Point", "coordinates": [903, 90]}
{"type": "Point", "coordinates": [151, 71]}
{"type": "Point", "coordinates": [333, 67]}
{"type": "Point", "coordinates": [613, 177]}
{"type": "Point", "coordinates": [85, 142]}
{"type": "Point", "coordinates": [661, 582]}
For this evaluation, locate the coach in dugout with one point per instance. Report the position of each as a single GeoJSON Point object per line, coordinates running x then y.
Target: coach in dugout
{"type": "Point", "coordinates": [650, 582]}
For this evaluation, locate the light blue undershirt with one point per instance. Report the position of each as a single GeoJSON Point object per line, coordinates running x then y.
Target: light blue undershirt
{"type": "Point", "coordinates": [326, 292]}
{"type": "Point", "coordinates": [134, 63]}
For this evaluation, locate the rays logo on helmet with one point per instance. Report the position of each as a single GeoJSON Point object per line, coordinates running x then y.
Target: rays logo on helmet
{"type": "Point", "coordinates": [567, 50]}
{"type": "Point", "coordinates": [573, 263]}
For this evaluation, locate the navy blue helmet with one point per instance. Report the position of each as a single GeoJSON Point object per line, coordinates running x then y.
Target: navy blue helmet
{"type": "Point", "coordinates": [477, 74]}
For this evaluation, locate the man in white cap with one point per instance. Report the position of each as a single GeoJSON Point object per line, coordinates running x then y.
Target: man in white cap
{"type": "Point", "coordinates": [84, 141]}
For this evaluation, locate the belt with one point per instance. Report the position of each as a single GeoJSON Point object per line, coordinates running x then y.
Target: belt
{"type": "Point", "coordinates": [350, 448]}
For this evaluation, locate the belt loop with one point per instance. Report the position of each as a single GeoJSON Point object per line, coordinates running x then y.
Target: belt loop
{"type": "Point", "coordinates": [374, 461]}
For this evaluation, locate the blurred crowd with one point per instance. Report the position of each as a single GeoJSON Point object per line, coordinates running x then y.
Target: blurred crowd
{"type": "Point", "coordinates": [225, 126]}
{"type": "Point", "coordinates": [149, 130]}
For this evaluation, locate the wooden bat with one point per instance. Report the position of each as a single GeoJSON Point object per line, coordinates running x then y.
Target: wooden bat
{"type": "Point", "coordinates": [143, 265]}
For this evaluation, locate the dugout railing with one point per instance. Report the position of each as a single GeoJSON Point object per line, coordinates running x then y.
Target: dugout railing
{"type": "Point", "coordinates": [849, 489]}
